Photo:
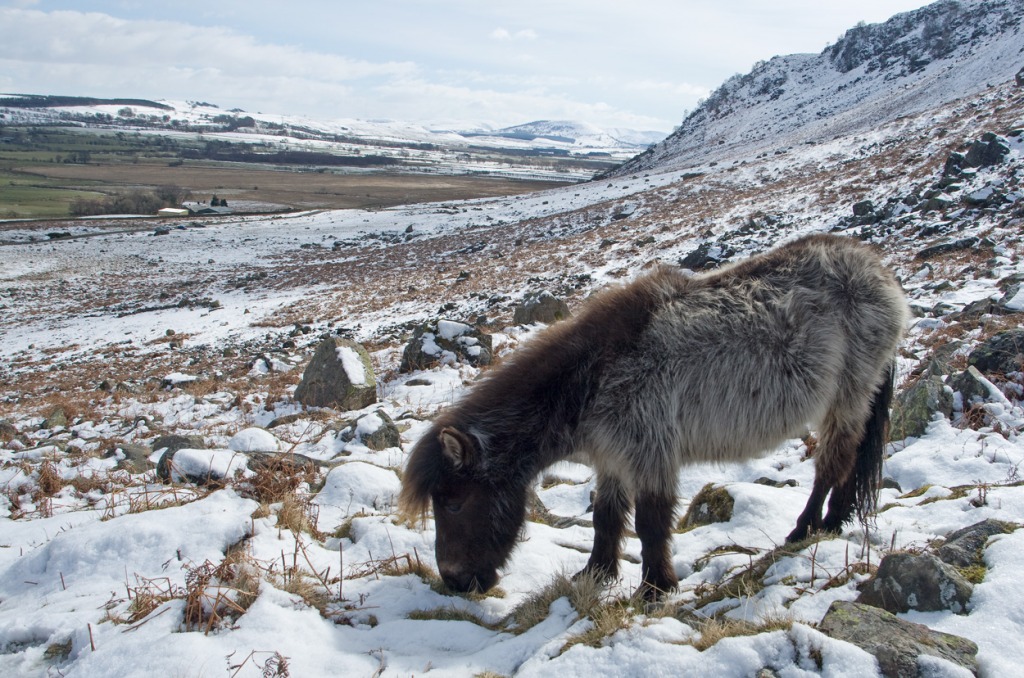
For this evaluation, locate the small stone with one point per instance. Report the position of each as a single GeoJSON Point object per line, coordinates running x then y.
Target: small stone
{"type": "Point", "coordinates": [713, 504]}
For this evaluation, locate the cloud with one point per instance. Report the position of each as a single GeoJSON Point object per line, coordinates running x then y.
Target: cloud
{"type": "Point", "coordinates": [505, 34]}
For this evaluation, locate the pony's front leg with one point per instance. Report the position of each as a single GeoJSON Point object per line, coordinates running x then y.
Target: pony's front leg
{"type": "Point", "coordinates": [611, 505]}
{"type": "Point", "coordinates": [654, 515]}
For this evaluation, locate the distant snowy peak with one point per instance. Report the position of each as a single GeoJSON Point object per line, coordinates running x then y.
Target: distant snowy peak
{"type": "Point", "coordinates": [874, 74]}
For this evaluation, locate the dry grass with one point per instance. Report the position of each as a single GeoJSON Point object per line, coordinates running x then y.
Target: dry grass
{"type": "Point", "coordinates": [584, 594]}
{"type": "Point", "coordinates": [714, 630]}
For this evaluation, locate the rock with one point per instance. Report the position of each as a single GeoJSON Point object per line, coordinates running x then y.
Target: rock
{"type": "Point", "coordinates": [136, 457]}
{"type": "Point", "coordinates": [907, 581]}
{"type": "Point", "coordinates": [890, 484]}
{"type": "Point", "coordinates": [895, 643]}
{"type": "Point", "coordinates": [1000, 354]}
{"type": "Point", "coordinates": [939, 362]}
{"type": "Point", "coordinates": [947, 247]}
{"type": "Point", "coordinates": [713, 504]}
{"type": "Point", "coordinates": [204, 467]}
{"type": "Point", "coordinates": [254, 439]}
{"type": "Point", "coordinates": [540, 307]}
{"type": "Point", "coordinates": [339, 375]}
{"type": "Point", "coordinates": [965, 547]}
{"type": "Point", "coordinates": [863, 208]}
{"type": "Point", "coordinates": [954, 165]}
{"type": "Point", "coordinates": [775, 483]}
{"type": "Point", "coordinates": [285, 463]}
{"type": "Point", "coordinates": [971, 385]}
{"type": "Point", "coordinates": [706, 256]}
{"type": "Point", "coordinates": [1019, 78]}
{"type": "Point", "coordinates": [57, 418]}
{"type": "Point", "coordinates": [914, 407]}
{"type": "Point", "coordinates": [7, 432]}
{"type": "Point", "coordinates": [171, 444]}
{"type": "Point", "coordinates": [375, 430]}
{"type": "Point", "coordinates": [987, 151]}
{"type": "Point", "coordinates": [446, 343]}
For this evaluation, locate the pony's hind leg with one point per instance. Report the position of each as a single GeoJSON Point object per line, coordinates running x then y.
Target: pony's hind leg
{"type": "Point", "coordinates": [611, 505]}
{"type": "Point", "coordinates": [834, 463]}
{"type": "Point", "coordinates": [654, 514]}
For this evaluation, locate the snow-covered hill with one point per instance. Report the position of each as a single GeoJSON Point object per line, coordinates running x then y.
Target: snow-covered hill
{"type": "Point", "coordinates": [567, 137]}
{"type": "Point", "coordinates": [875, 74]}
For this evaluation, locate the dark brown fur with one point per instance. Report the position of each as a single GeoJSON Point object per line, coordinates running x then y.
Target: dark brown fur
{"type": "Point", "coordinates": [666, 370]}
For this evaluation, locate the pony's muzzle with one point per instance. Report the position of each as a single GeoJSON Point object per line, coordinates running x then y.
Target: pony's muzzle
{"type": "Point", "coordinates": [469, 582]}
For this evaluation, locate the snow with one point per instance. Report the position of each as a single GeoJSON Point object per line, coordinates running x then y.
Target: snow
{"type": "Point", "coordinates": [352, 364]}
{"type": "Point", "coordinates": [254, 440]}
{"type": "Point", "coordinates": [72, 565]}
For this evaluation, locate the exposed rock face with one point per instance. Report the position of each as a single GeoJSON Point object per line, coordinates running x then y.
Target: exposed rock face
{"type": "Point", "coordinates": [1001, 354]}
{"type": "Point", "coordinates": [898, 645]}
{"type": "Point", "coordinates": [446, 343]}
{"type": "Point", "coordinates": [713, 504]}
{"type": "Point", "coordinates": [907, 581]}
{"type": "Point", "coordinates": [540, 307]}
{"type": "Point", "coordinates": [340, 375]}
{"type": "Point", "coordinates": [914, 407]}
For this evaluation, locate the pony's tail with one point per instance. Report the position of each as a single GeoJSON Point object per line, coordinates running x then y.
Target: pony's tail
{"type": "Point", "coordinates": [871, 451]}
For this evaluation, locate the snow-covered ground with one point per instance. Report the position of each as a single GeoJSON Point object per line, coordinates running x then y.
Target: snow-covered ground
{"type": "Point", "coordinates": [203, 332]}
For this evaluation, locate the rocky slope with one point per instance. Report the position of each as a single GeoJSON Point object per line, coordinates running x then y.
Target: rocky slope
{"type": "Point", "coordinates": [874, 75]}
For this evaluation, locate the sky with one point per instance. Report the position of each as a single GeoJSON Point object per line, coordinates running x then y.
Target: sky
{"type": "Point", "coordinates": [641, 64]}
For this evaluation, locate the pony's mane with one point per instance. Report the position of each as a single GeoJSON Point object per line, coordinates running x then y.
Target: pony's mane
{"type": "Point", "coordinates": [421, 476]}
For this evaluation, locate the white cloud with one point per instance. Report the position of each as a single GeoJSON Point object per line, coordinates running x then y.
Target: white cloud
{"type": "Point", "coordinates": [505, 34]}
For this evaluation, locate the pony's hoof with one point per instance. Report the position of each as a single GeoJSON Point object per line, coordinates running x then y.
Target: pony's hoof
{"type": "Point", "coordinates": [599, 575]}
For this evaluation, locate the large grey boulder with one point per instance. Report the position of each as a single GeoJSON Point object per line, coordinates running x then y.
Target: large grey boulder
{"type": "Point", "coordinates": [909, 581]}
{"type": "Point", "coordinates": [898, 645]}
{"type": "Point", "coordinates": [446, 342]}
{"type": "Point", "coordinates": [540, 307]}
{"type": "Point", "coordinates": [339, 375]}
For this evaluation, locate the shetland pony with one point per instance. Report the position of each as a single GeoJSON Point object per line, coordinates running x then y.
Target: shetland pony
{"type": "Point", "coordinates": [669, 370]}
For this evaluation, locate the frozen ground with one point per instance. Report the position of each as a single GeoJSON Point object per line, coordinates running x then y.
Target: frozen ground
{"type": "Point", "coordinates": [105, 571]}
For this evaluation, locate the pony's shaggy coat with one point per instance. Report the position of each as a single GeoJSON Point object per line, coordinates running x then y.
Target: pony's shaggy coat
{"type": "Point", "coordinates": [668, 370]}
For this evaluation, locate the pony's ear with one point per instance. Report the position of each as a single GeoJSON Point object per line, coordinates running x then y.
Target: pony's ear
{"type": "Point", "coordinates": [457, 447]}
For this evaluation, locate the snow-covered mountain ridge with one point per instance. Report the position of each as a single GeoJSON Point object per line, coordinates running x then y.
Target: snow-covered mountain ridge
{"type": "Point", "coordinates": [875, 74]}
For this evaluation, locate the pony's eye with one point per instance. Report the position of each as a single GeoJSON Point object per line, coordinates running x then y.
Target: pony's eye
{"type": "Point", "coordinates": [453, 507]}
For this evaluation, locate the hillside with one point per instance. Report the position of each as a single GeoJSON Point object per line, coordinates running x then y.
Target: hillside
{"type": "Point", "coordinates": [581, 150]}
{"type": "Point", "coordinates": [117, 343]}
{"type": "Point", "coordinates": [874, 75]}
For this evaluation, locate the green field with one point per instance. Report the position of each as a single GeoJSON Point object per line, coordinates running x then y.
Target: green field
{"type": "Point", "coordinates": [43, 170]}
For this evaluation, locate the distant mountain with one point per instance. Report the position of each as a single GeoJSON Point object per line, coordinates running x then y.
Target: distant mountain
{"type": "Point", "coordinates": [873, 75]}
{"type": "Point", "coordinates": [562, 137]}
{"type": "Point", "coordinates": [575, 133]}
